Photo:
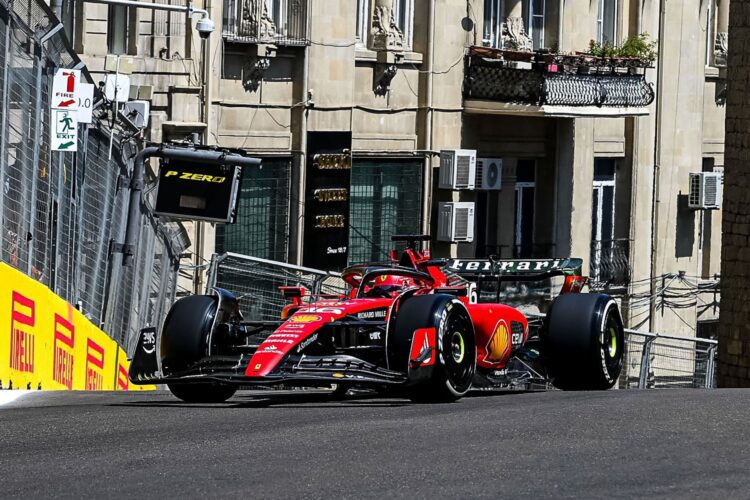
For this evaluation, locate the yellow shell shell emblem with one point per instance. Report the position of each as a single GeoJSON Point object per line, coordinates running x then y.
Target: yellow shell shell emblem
{"type": "Point", "coordinates": [499, 344]}
{"type": "Point", "coordinates": [305, 318]}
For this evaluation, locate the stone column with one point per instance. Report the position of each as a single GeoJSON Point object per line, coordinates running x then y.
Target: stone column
{"type": "Point", "coordinates": [721, 37]}
{"type": "Point", "coordinates": [384, 32]}
{"type": "Point", "coordinates": [734, 320]}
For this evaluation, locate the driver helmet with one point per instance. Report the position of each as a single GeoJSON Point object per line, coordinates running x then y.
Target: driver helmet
{"type": "Point", "coordinates": [391, 284]}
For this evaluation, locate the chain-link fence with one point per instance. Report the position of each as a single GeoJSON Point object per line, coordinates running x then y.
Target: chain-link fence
{"type": "Point", "coordinates": [63, 213]}
{"type": "Point", "coordinates": [655, 360]}
{"type": "Point", "coordinates": [256, 283]}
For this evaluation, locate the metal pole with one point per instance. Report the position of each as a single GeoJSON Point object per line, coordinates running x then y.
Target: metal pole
{"type": "Point", "coordinates": [645, 363]}
{"type": "Point", "coordinates": [710, 367]}
{"type": "Point", "coordinates": [138, 180]}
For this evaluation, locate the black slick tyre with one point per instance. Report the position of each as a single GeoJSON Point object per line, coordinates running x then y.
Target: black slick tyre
{"type": "Point", "coordinates": [184, 338]}
{"type": "Point", "coordinates": [583, 342]}
{"type": "Point", "coordinates": [211, 392]}
{"type": "Point", "coordinates": [450, 376]}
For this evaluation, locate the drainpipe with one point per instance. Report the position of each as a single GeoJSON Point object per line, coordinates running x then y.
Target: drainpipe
{"type": "Point", "coordinates": [655, 173]}
{"type": "Point", "coordinates": [560, 8]}
{"type": "Point", "coordinates": [427, 180]}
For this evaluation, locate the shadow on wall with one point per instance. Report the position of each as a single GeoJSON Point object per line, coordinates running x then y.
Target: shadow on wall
{"type": "Point", "coordinates": [685, 230]}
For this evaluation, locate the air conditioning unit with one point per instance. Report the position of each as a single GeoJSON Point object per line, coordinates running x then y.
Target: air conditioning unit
{"type": "Point", "coordinates": [456, 221]}
{"type": "Point", "coordinates": [705, 190]}
{"type": "Point", "coordinates": [489, 174]}
{"type": "Point", "coordinates": [458, 168]}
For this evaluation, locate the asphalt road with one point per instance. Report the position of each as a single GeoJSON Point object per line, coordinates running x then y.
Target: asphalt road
{"type": "Point", "coordinates": [658, 443]}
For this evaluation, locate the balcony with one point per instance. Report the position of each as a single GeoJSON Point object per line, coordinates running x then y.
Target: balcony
{"type": "Point", "coordinates": [540, 84]}
{"type": "Point", "coordinates": [275, 22]}
{"type": "Point", "coordinates": [609, 268]}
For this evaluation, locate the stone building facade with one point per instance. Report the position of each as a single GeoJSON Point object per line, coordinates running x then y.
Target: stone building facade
{"type": "Point", "coordinates": [734, 336]}
{"type": "Point", "coordinates": [397, 81]}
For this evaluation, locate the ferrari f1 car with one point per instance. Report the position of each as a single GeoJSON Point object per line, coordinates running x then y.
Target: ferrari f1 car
{"type": "Point", "coordinates": [428, 329]}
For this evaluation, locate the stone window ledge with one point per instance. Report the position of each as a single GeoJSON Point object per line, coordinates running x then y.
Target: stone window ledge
{"type": "Point", "coordinates": [366, 55]}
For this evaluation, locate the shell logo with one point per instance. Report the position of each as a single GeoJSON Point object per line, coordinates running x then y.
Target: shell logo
{"type": "Point", "coordinates": [305, 318]}
{"type": "Point", "coordinates": [499, 344]}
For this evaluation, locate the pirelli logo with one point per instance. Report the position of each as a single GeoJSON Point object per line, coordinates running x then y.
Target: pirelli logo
{"type": "Point", "coordinates": [22, 320]}
{"type": "Point", "coordinates": [94, 366]}
{"type": "Point", "coordinates": [62, 368]}
{"type": "Point", "coordinates": [122, 378]}
{"type": "Point", "coordinates": [216, 179]}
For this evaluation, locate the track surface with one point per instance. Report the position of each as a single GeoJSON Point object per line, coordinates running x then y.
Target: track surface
{"type": "Point", "coordinates": [665, 443]}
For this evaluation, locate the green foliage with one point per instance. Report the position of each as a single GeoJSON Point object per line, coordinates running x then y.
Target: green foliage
{"type": "Point", "coordinates": [635, 46]}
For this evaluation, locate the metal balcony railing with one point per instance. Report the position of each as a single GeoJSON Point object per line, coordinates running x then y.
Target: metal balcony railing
{"type": "Point", "coordinates": [277, 22]}
{"type": "Point", "coordinates": [550, 79]}
{"type": "Point", "coordinates": [609, 267]}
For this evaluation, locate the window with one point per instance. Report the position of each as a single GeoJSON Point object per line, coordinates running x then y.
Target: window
{"type": "Point", "coordinates": [605, 22]}
{"type": "Point", "coordinates": [536, 23]}
{"type": "Point", "coordinates": [261, 229]}
{"type": "Point", "coordinates": [710, 32]}
{"type": "Point", "coordinates": [492, 32]}
{"type": "Point", "coordinates": [603, 245]}
{"type": "Point", "coordinates": [118, 29]}
{"type": "Point", "coordinates": [524, 210]}
{"type": "Point", "coordinates": [386, 199]}
{"type": "Point", "coordinates": [403, 17]}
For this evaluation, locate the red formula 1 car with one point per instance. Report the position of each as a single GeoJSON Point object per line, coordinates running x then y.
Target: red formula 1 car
{"type": "Point", "coordinates": [427, 329]}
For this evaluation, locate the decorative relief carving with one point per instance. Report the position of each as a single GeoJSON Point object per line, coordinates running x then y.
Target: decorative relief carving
{"type": "Point", "coordinates": [255, 20]}
{"type": "Point", "coordinates": [514, 35]}
{"type": "Point", "coordinates": [720, 49]}
{"type": "Point", "coordinates": [384, 33]}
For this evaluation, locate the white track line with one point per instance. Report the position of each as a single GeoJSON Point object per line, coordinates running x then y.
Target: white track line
{"type": "Point", "coordinates": [9, 396]}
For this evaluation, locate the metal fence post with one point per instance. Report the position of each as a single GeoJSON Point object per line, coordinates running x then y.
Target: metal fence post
{"type": "Point", "coordinates": [710, 366]}
{"type": "Point", "coordinates": [645, 363]}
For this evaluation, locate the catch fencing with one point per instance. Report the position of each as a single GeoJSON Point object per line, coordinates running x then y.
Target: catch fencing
{"type": "Point", "coordinates": [655, 360]}
{"type": "Point", "coordinates": [64, 213]}
{"type": "Point", "coordinates": [256, 283]}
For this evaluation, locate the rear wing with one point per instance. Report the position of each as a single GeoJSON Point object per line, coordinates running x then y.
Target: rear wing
{"type": "Point", "coordinates": [514, 269]}
{"type": "Point", "coordinates": [527, 284]}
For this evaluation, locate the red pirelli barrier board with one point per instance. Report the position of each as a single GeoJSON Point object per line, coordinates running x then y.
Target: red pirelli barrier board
{"type": "Point", "coordinates": [46, 344]}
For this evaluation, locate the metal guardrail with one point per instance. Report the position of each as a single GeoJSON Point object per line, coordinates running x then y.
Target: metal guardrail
{"type": "Point", "coordinates": [256, 282]}
{"type": "Point", "coordinates": [654, 360]}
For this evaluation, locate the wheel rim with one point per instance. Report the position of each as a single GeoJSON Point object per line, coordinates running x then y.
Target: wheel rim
{"type": "Point", "coordinates": [459, 366]}
{"type": "Point", "coordinates": [457, 347]}
{"type": "Point", "coordinates": [612, 347]}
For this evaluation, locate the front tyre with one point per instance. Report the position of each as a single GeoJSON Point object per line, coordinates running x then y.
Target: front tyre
{"type": "Point", "coordinates": [583, 342]}
{"type": "Point", "coordinates": [211, 392]}
{"type": "Point", "coordinates": [447, 373]}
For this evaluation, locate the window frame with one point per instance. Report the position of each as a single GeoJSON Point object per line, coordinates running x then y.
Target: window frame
{"type": "Point", "coordinates": [530, 22]}
{"type": "Point", "coordinates": [600, 19]}
{"type": "Point", "coordinates": [116, 15]}
{"type": "Point", "coordinates": [496, 32]}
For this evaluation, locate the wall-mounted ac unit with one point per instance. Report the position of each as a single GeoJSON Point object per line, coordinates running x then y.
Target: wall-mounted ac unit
{"type": "Point", "coordinates": [456, 221]}
{"type": "Point", "coordinates": [489, 174]}
{"type": "Point", "coordinates": [458, 168]}
{"type": "Point", "coordinates": [705, 190]}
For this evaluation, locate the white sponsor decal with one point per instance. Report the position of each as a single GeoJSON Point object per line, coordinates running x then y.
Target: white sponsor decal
{"type": "Point", "coordinates": [307, 342]}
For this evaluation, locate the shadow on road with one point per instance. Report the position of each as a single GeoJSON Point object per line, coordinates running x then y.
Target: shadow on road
{"type": "Point", "coordinates": [305, 399]}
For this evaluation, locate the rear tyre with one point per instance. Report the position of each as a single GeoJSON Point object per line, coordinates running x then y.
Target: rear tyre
{"type": "Point", "coordinates": [184, 338]}
{"type": "Point", "coordinates": [583, 342]}
{"type": "Point", "coordinates": [450, 377]}
{"type": "Point", "coordinates": [211, 392]}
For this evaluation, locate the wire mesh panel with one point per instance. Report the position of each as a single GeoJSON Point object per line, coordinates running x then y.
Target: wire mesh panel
{"type": "Point", "coordinates": [386, 199]}
{"type": "Point", "coordinates": [256, 283]}
{"type": "Point", "coordinates": [653, 361]}
{"type": "Point", "coordinates": [262, 226]}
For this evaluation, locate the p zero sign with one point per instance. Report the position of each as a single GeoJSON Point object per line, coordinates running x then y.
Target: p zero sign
{"type": "Point", "coordinates": [196, 191]}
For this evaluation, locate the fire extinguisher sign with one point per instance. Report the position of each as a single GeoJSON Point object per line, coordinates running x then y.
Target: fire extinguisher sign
{"type": "Point", "coordinates": [64, 88]}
